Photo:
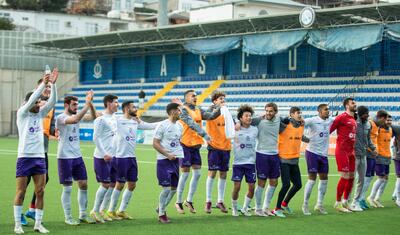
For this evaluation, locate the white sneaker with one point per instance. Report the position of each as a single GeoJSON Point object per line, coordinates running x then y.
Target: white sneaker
{"type": "Point", "coordinates": [245, 212]}
{"type": "Point", "coordinates": [305, 210]}
{"type": "Point", "coordinates": [18, 229]}
{"type": "Point", "coordinates": [71, 221]}
{"type": "Point", "coordinates": [372, 202]}
{"type": "Point", "coordinates": [259, 212]}
{"type": "Point", "coordinates": [268, 212]}
{"type": "Point", "coordinates": [39, 228]}
{"type": "Point", "coordinates": [355, 206]}
{"type": "Point", "coordinates": [339, 207]}
{"type": "Point", "coordinates": [398, 203]}
{"type": "Point", "coordinates": [320, 209]}
{"type": "Point", "coordinates": [378, 203]}
{"type": "Point", "coordinates": [235, 212]}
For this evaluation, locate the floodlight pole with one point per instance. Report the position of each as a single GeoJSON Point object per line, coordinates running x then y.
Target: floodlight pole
{"type": "Point", "coordinates": [162, 17]}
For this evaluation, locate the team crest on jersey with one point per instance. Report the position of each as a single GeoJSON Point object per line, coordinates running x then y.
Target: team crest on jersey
{"type": "Point", "coordinates": [242, 146]}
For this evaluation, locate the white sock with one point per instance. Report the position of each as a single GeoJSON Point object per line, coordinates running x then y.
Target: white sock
{"type": "Point", "coordinates": [31, 209]}
{"type": "Point", "coordinates": [114, 200]}
{"type": "Point", "coordinates": [221, 189]}
{"type": "Point", "coordinates": [269, 193]}
{"type": "Point", "coordinates": [375, 188]}
{"type": "Point", "coordinates": [181, 186]}
{"type": "Point", "coordinates": [308, 190]}
{"type": "Point", "coordinates": [38, 217]}
{"type": "Point", "coordinates": [17, 215]}
{"type": "Point", "coordinates": [101, 191]}
{"type": "Point", "coordinates": [246, 202]}
{"type": "Point", "coordinates": [66, 201]}
{"type": "Point", "coordinates": [367, 182]}
{"type": "Point", "coordinates": [82, 200]}
{"type": "Point", "coordinates": [170, 196]}
{"type": "Point", "coordinates": [193, 184]}
{"type": "Point", "coordinates": [258, 195]}
{"type": "Point", "coordinates": [323, 184]}
{"type": "Point", "coordinates": [381, 189]}
{"type": "Point", "coordinates": [234, 205]}
{"type": "Point", "coordinates": [209, 187]}
{"type": "Point", "coordinates": [162, 199]}
{"type": "Point", "coordinates": [126, 197]}
{"type": "Point", "coordinates": [106, 201]}
{"type": "Point", "coordinates": [397, 189]}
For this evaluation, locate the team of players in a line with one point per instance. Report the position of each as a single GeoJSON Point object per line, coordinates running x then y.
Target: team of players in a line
{"type": "Point", "coordinates": [265, 148]}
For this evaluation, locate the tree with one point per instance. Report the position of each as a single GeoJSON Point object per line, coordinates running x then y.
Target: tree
{"type": "Point", "coordinates": [6, 24]}
{"type": "Point", "coordinates": [38, 5]}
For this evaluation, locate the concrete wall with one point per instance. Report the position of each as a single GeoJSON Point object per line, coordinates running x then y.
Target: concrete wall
{"type": "Point", "coordinates": [14, 84]}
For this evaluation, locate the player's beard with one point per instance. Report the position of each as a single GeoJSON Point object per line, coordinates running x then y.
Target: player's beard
{"type": "Point", "coordinates": [133, 113]}
{"type": "Point", "coordinates": [71, 111]}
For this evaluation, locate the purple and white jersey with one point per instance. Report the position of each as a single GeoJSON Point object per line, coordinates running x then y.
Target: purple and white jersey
{"type": "Point", "coordinates": [68, 140]}
{"type": "Point", "coordinates": [244, 147]}
{"type": "Point", "coordinates": [169, 134]}
{"type": "Point", "coordinates": [30, 125]}
{"type": "Point", "coordinates": [126, 135]}
{"type": "Point", "coordinates": [104, 132]}
{"type": "Point", "coordinates": [318, 133]}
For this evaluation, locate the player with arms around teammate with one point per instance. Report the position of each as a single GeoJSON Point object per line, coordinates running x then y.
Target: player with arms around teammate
{"type": "Point", "coordinates": [191, 141]}
{"type": "Point", "coordinates": [127, 168]}
{"type": "Point", "coordinates": [317, 157]}
{"type": "Point", "coordinates": [70, 163]}
{"type": "Point", "coordinates": [244, 163]}
{"type": "Point", "coordinates": [167, 143]}
{"type": "Point", "coordinates": [31, 158]}
{"type": "Point", "coordinates": [105, 128]}
{"type": "Point", "coordinates": [345, 126]}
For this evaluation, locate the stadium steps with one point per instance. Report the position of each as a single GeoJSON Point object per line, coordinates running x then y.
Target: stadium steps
{"type": "Point", "coordinates": [214, 86]}
{"type": "Point", "coordinates": [169, 86]}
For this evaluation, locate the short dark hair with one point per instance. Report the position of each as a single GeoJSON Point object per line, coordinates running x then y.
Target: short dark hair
{"type": "Point", "coordinates": [68, 99]}
{"type": "Point", "coordinates": [28, 95]}
{"type": "Point", "coordinates": [244, 108]}
{"type": "Point", "coordinates": [216, 95]}
{"type": "Point", "coordinates": [187, 92]}
{"type": "Point", "coordinates": [272, 105]}
{"type": "Point", "coordinates": [109, 98]}
{"type": "Point", "coordinates": [171, 106]}
{"type": "Point", "coordinates": [382, 114]}
{"type": "Point", "coordinates": [125, 104]}
{"type": "Point", "coordinates": [389, 116]}
{"type": "Point", "coordinates": [347, 101]}
{"type": "Point", "coordinates": [294, 109]}
{"type": "Point", "coordinates": [321, 106]}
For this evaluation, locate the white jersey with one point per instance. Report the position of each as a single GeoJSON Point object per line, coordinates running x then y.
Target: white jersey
{"type": "Point", "coordinates": [105, 129]}
{"type": "Point", "coordinates": [68, 139]}
{"type": "Point", "coordinates": [126, 135]}
{"type": "Point", "coordinates": [169, 134]}
{"type": "Point", "coordinates": [318, 133]}
{"type": "Point", "coordinates": [30, 125]}
{"type": "Point", "coordinates": [244, 147]}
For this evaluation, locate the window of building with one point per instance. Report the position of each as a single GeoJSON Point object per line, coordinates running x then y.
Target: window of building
{"type": "Point", "coordinates": [25, 18]}
{"type": "Point", "coordinates": [92, 28]}
{"type": "Point", "coordinates": [51, 26]}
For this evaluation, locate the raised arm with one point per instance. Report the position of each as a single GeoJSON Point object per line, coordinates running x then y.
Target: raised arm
{"type": "Point", "coordinates": [76, 118]}
{"type": "Point", "coordinates": [35, 96]}
{"type": "Point", "coordinates": [187, 119]}
{"type": "Point", "coordinates": [210, 114]}
{"type": "Point", "coordinates": [53, 95]}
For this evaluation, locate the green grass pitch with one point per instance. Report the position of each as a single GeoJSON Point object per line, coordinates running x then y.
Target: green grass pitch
{"type": "Point", "coordinates": [145, 198]}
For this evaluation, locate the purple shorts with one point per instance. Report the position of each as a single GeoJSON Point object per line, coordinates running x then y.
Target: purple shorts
{"type": "Point", "coordinates": [317, 163]}
{"type": "Point", "coordinates": [370, 172]}
{"type": "Point", "coordinates": [71, 169]}
{"type": "Point", "coordinates": [127, 169]}
{"type": "Point", "coordinates": [168, 172]}
{"type": "Point", "coordinates": [247, 170]}
{"type": "Point", "coordinates": [397, 167]}
{"type": "Point", "coordinates": [102, 169]}
{"type": "Point", "coordinates": [218, 160]}
{"type": "Point", "coordinates": [113, 170]}
{"type": "Point", "coordinates": [191, 156]}
{"type": "Point", "coordinates": [30, 166]}
{"type": "Point", "coordinates": [268, 166]}
{"type": "Point", "coordinates": [381, 170]}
